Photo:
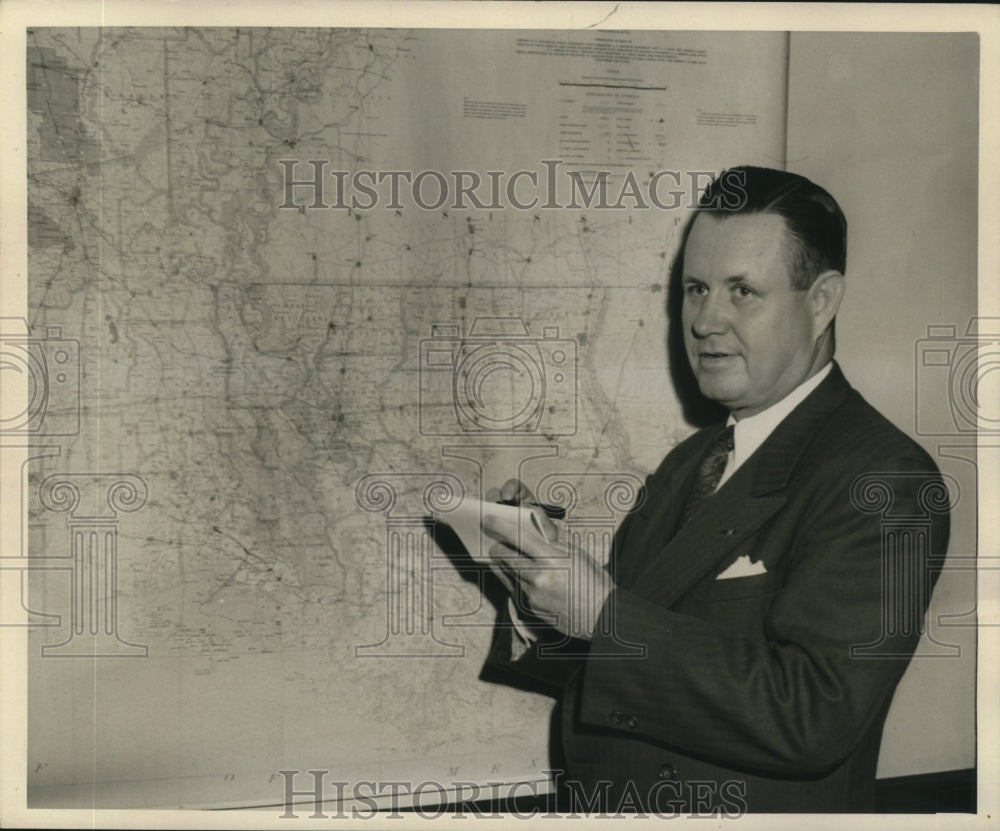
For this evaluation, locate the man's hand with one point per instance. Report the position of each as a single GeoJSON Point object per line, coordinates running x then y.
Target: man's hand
{"type": "Point", "coordinates": [515, 492]}
{"type": "Point", "coordinates": [566, 587]}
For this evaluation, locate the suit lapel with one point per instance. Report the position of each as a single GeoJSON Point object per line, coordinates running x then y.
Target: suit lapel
{"type": "Point", "coordinates": [742, 505]}
{"type": "Point", "coordinates": [724, 521]}
{"type": "Point", "coordinates": [662, 506]}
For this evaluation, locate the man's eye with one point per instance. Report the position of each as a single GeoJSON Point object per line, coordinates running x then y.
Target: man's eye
{"type": "Point", "coordinates": [743, 291]}
{"type": "Point", "coordinates": [694, 289]}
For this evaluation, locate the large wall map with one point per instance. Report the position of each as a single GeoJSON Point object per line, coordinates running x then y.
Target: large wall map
{"type": "Point", "coordinates": [258, 377]}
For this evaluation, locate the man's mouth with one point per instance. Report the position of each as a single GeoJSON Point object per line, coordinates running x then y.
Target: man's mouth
{"type": "Point", "coordinates": [707, 358]}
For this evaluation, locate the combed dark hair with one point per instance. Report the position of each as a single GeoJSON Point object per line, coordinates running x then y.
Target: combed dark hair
{"type": "Point", "coordinates": [816, 226]}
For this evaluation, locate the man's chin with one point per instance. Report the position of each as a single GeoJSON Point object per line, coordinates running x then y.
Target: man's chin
{"type": "Point", "coordinates": [724, 391]}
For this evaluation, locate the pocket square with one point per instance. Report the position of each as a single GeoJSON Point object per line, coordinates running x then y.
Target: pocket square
{"type": "Point", "coordinates": [743, 567]}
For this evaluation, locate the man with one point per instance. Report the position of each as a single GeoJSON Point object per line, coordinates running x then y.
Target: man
{"type": "Point", "coordinates": [772, 618]}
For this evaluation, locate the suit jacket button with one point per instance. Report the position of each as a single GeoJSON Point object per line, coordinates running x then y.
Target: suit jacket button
{"type": "Point", "coordinates": [631, 722]}
{"type": "Point", "coordinates": [667, 771]}
{"type": "Point", "coordinates": [616, 718]}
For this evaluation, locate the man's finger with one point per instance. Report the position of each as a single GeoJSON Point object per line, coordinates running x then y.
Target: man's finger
{"type": "Point", "coordinates": [549, 529]}
{"type": "Point", "coordinates": [510, 488]}
{"type": "Point", "coordinates": [515, 491]}
{"type": "Point", "coordinates": [502, 572]}
{"type": "Point", "coordinates": [504, 564]}
{"type": "Point", "coordinates": [511, 532]}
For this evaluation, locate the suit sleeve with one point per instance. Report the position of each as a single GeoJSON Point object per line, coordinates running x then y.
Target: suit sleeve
{"type": "Point", "coordinates": [836, 640]}
{"type": "Point", "coordinates": [549, 660]}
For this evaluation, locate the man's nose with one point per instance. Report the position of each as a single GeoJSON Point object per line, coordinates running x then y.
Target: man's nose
{"type": "Point", "coordinates": [710, 316]}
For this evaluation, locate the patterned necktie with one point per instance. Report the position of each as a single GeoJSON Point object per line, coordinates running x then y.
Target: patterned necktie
{"type": "Point", "coordinates": [709, 472]}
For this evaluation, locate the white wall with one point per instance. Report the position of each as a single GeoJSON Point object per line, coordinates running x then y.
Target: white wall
{"type": "Point", "coordinates": [889, 124]}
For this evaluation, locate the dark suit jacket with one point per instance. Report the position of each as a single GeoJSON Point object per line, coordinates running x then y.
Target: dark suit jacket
{"type": "Point", "coordinates": [768, 690]}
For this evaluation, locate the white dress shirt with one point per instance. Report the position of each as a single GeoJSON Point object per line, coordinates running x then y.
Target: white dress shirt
{"type": "Point", "coordinates": [751, 432]}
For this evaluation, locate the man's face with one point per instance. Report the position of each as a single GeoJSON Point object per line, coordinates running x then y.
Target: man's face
{"type": "Point", "coordinates": [748, 335]}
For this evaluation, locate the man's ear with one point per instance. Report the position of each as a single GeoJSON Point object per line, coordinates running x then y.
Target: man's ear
{"type": "Point", "coordinates": [825, 295]}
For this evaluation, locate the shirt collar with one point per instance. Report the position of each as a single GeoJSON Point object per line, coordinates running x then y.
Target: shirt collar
{"type": "Point", "coordinates": [751, 432]}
